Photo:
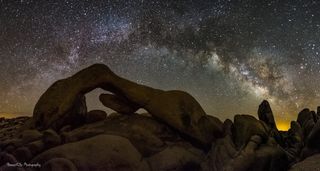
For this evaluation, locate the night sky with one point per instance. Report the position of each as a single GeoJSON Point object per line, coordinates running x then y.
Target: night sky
{"type": "Point", "coordinates": [229, 54]}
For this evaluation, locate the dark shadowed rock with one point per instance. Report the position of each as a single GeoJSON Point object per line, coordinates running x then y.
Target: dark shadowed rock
{"type": "Point", "coordinates": [306, 120]}
{"type": "Point", "coordinates": [265, 114]}
{"type": "Point", "coordinates": [313, 139]}
{"type": "Point", "coordinates": [227, 127]}
{"type": "Point", "coordinates": [221, 154]}
{"type": "Point", "coordinates": [7, 158]}
{"type": "Point", "coordinates": [51, 138]}
{"type": "Point", "coordinates": [30, 135]}
{"type": "Point", "coordinates": [60, 164]}
{"type": "Point", "coordinates": [145, 133]}
{"type": "Point", "coordinates": [59, 105]}
{"type": "Point", "coordinates": [294, 141]}
{"type": "Point", "coordinates": [23, 154]}
{"type": "Point", "coordinates": [70, 111]}
{"type": "Point", "coordinates": [315, 116]}
{"type": "Point", "coordinates": [103, 152]}
{"type": "Point", "coordinates": [118, 104]}
{"type": "Point", "coordinates": [175, 158]}
{"type": "Point", "coordinates": [255, 155]}
{"type": "Point", "coordinates": [244, 127]}
{"type": "Point", "coordinates": [318, 111]}
{"type": "Point", "coordinates": [310, 163]}
{"type": "Point", "coordinates": [312, 145]}
{"type": "Point", "coordinates": [270, 157]}
{"type": "Point", "coordinates": [181, 111]}
{"type": "Point", "coordinates": [36, 147]}
{"type": "Point", "coordinates": [246, 157]}
{"type": "Point", "coordinates": [95, 116]}
{"type": "Point", "coordinates": [303, 116]}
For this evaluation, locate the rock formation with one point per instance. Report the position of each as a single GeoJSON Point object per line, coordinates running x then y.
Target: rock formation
{"type": "Point", "coordinates": [174, 134]}
{"type": "Point", "coordinates": [62, 104]}
{"type": "Point", "coordinates": [265, 114]}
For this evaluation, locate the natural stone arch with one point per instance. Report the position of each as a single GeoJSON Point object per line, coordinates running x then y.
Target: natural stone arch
{"type": "Point", "coordinates": [62, 103]}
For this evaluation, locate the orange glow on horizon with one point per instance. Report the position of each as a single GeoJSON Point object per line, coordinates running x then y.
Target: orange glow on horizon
{"type": "Point", "coordinates": [7, 115]}
{"type": "Point", "coordinates": [283, 125]}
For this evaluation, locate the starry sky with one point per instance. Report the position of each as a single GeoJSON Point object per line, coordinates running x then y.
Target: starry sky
{"type": "Point", "coordinates": [229, 54]}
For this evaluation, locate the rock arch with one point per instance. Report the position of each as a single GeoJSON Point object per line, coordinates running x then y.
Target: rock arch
{"type": "Point", "coordinates": [63, 103]}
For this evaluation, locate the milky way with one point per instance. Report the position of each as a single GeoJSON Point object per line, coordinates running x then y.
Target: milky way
{"type": "Point", "coordinates": [230, 55]}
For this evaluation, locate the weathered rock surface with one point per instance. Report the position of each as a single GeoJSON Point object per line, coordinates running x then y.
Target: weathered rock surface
{"type": "Point", "coordinates": [313, 140]}
{"type": "Point", "coordinates": [265, 114]}
{"type": "Point", "coordinates": [148, 135]}
{"type": "Point", "coordinates": [294, 141]}
{"type": "Point", "coordinates": [244, 127]}
{"type": "Point", "coordinates": [176, 158]}
{"type": "Point", "coordinates": [220, 155]}
{"type": "Point", "coordinates": [51, 138]}
{"type": "Point", "coordinates": [60, 164]}
{"type": "Point", "coordinates": [70, 110]}
{"type": "Point", "coordinates": [103, 152]}
{"type": "Point", "coordinates": [95, 116]}
{"type": "Point", "coordinates": [256, 155]}
{"type": "Point", "coordinates": [118, 104]}
{"type": "Point", "coordinates": [310, 163]}
{"type": "Point", "coordinates": [306, 120]}
{"type": "Point", "coordinates": [63, 103]}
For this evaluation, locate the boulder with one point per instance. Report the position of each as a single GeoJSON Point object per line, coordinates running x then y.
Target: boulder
{"type": "Point", "coordinates": [306, 120]}
{"type": "Point", "coordinates": [60, 164]}
{"type": "Point", "coordinates": [51, 138]}
{"type": "Point", "coordinates": [318, 111]}
{"type": "Point", "coordinates": [313, 139]}
{"type": "Point", "coordinates": [102, 152]}
{"type": "Point", "coordinates": [312, 145]}
{"type": "Point", "coordinates": [304, 116]}
{"type": "Point", "coordinates": [145, 133]}
{"type": "Point", "coordinates": [36, 147]}
{"type": "Point", "coordinates": [255, 155]}
{"type": "Point", "coordinates": [245, 158]}
{"type": "Point", "coordinates": [23, 154]}
{"type": "Point", "coordinates": [265, 114]}
{"type": "Point", "coordinates": [294, 141]}
{"type": "Point", "coordinates": [310, 163]}
{"type": "Point", "coordinates": [244, 127]}
{"type": "Point", "coordinates": [175, 158]}
{"type": "Point", "coordinates": [7, 158]}
{"type": "Point", "coordinates": [269, 157]}
{"type": "Point", "coordinates": [222, 152]}
{"type": "Point", "coordinates": [181, 111]}
{"type": "Point", "coordinates": [30, 135]}
{"type": "Point", "coordinates": [118, 104]}
{"type": "Point", "coordinates": [95, 116]}
{"type": "Point", "coordinates": [12, 143]}
{"type": "Point", "coordinates": [47, 114]}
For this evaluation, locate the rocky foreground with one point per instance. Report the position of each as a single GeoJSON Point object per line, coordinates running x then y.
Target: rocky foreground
{"type": "Point", "coordinates": [175, 134]}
